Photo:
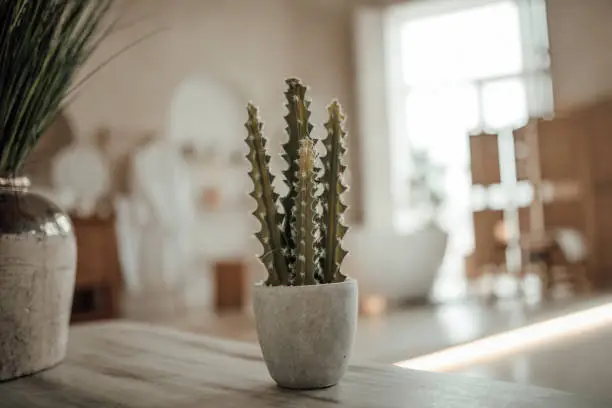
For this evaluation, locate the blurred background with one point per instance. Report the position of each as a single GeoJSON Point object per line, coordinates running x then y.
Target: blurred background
{"type": "Point", "coordinates": [479, 142]}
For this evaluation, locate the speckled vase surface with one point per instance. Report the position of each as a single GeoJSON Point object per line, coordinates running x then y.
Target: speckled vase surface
{"type": "Point", "coordinates": [306, 333]}
{"type": "Point", "coordinates": [37, 274]}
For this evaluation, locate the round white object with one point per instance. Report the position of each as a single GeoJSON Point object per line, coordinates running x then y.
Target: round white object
{"type": "Point", "coordinates": [82, 170]}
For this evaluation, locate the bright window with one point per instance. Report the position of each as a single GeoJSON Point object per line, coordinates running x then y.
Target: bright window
{"type": "Point", "coordinates": [477, 43]}
{"type": "Point", "coordinates": [457, 67]}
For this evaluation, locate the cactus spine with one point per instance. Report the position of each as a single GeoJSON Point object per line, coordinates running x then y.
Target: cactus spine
{"type": "Point", "coordinates": [333, 188]}
{"type": "Point", "coordinates": [266, 211]}
{"type": "Point", "coordinates": [303, 245]}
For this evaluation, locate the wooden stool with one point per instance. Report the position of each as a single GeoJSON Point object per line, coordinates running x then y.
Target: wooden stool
{"type": "Point", "coordinates": [230, 276]}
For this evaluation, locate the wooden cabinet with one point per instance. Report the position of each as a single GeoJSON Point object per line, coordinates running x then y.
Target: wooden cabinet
{"type": "Point", "coordinates": [568, 162]}
{"type": "Point", "coordinates": [576, 146]}
{"type": "Point", "coordinates": [99, 277]}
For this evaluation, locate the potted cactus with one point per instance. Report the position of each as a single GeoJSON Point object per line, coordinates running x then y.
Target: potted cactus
{"type": "Point", "coordinates": [306, 309]}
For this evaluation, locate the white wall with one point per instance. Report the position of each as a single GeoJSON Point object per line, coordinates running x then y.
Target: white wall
{"type": "Point", "coordinates": [249, 46]}
{"type": "Point", "coordinates": [373, 118]}
{"type": "Point", "coordinates": [240, 43]}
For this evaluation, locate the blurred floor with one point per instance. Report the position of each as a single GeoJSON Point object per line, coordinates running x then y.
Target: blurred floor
{"type": "Point", "coordinates": [416, 331]}
{"type": "Point", "coordinates": [580, 364]}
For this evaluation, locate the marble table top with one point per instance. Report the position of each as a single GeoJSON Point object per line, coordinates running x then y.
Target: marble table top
{"type": "Point", "coordinates": [130, 365]}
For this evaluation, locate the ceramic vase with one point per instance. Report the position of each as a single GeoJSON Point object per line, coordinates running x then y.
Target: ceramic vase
{"type": "Point", "coordinates": [37, 276]}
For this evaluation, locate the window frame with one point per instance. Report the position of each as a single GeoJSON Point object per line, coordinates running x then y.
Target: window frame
{"type": "Point", "coordinates": [536, 72]}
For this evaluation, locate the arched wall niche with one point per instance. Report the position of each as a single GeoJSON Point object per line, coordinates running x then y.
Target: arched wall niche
{"type": "Point", "coordinates": [207, 111]}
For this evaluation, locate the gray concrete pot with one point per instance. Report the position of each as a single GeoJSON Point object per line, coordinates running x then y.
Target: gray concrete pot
{"type": "Point", "coordinates": [306, 333]}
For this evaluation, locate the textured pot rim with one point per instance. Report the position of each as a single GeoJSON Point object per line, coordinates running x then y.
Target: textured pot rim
{"type": "Point", "coordinates": [17, 183]}
{"type": "Point", "coordinates": [281, 288]}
